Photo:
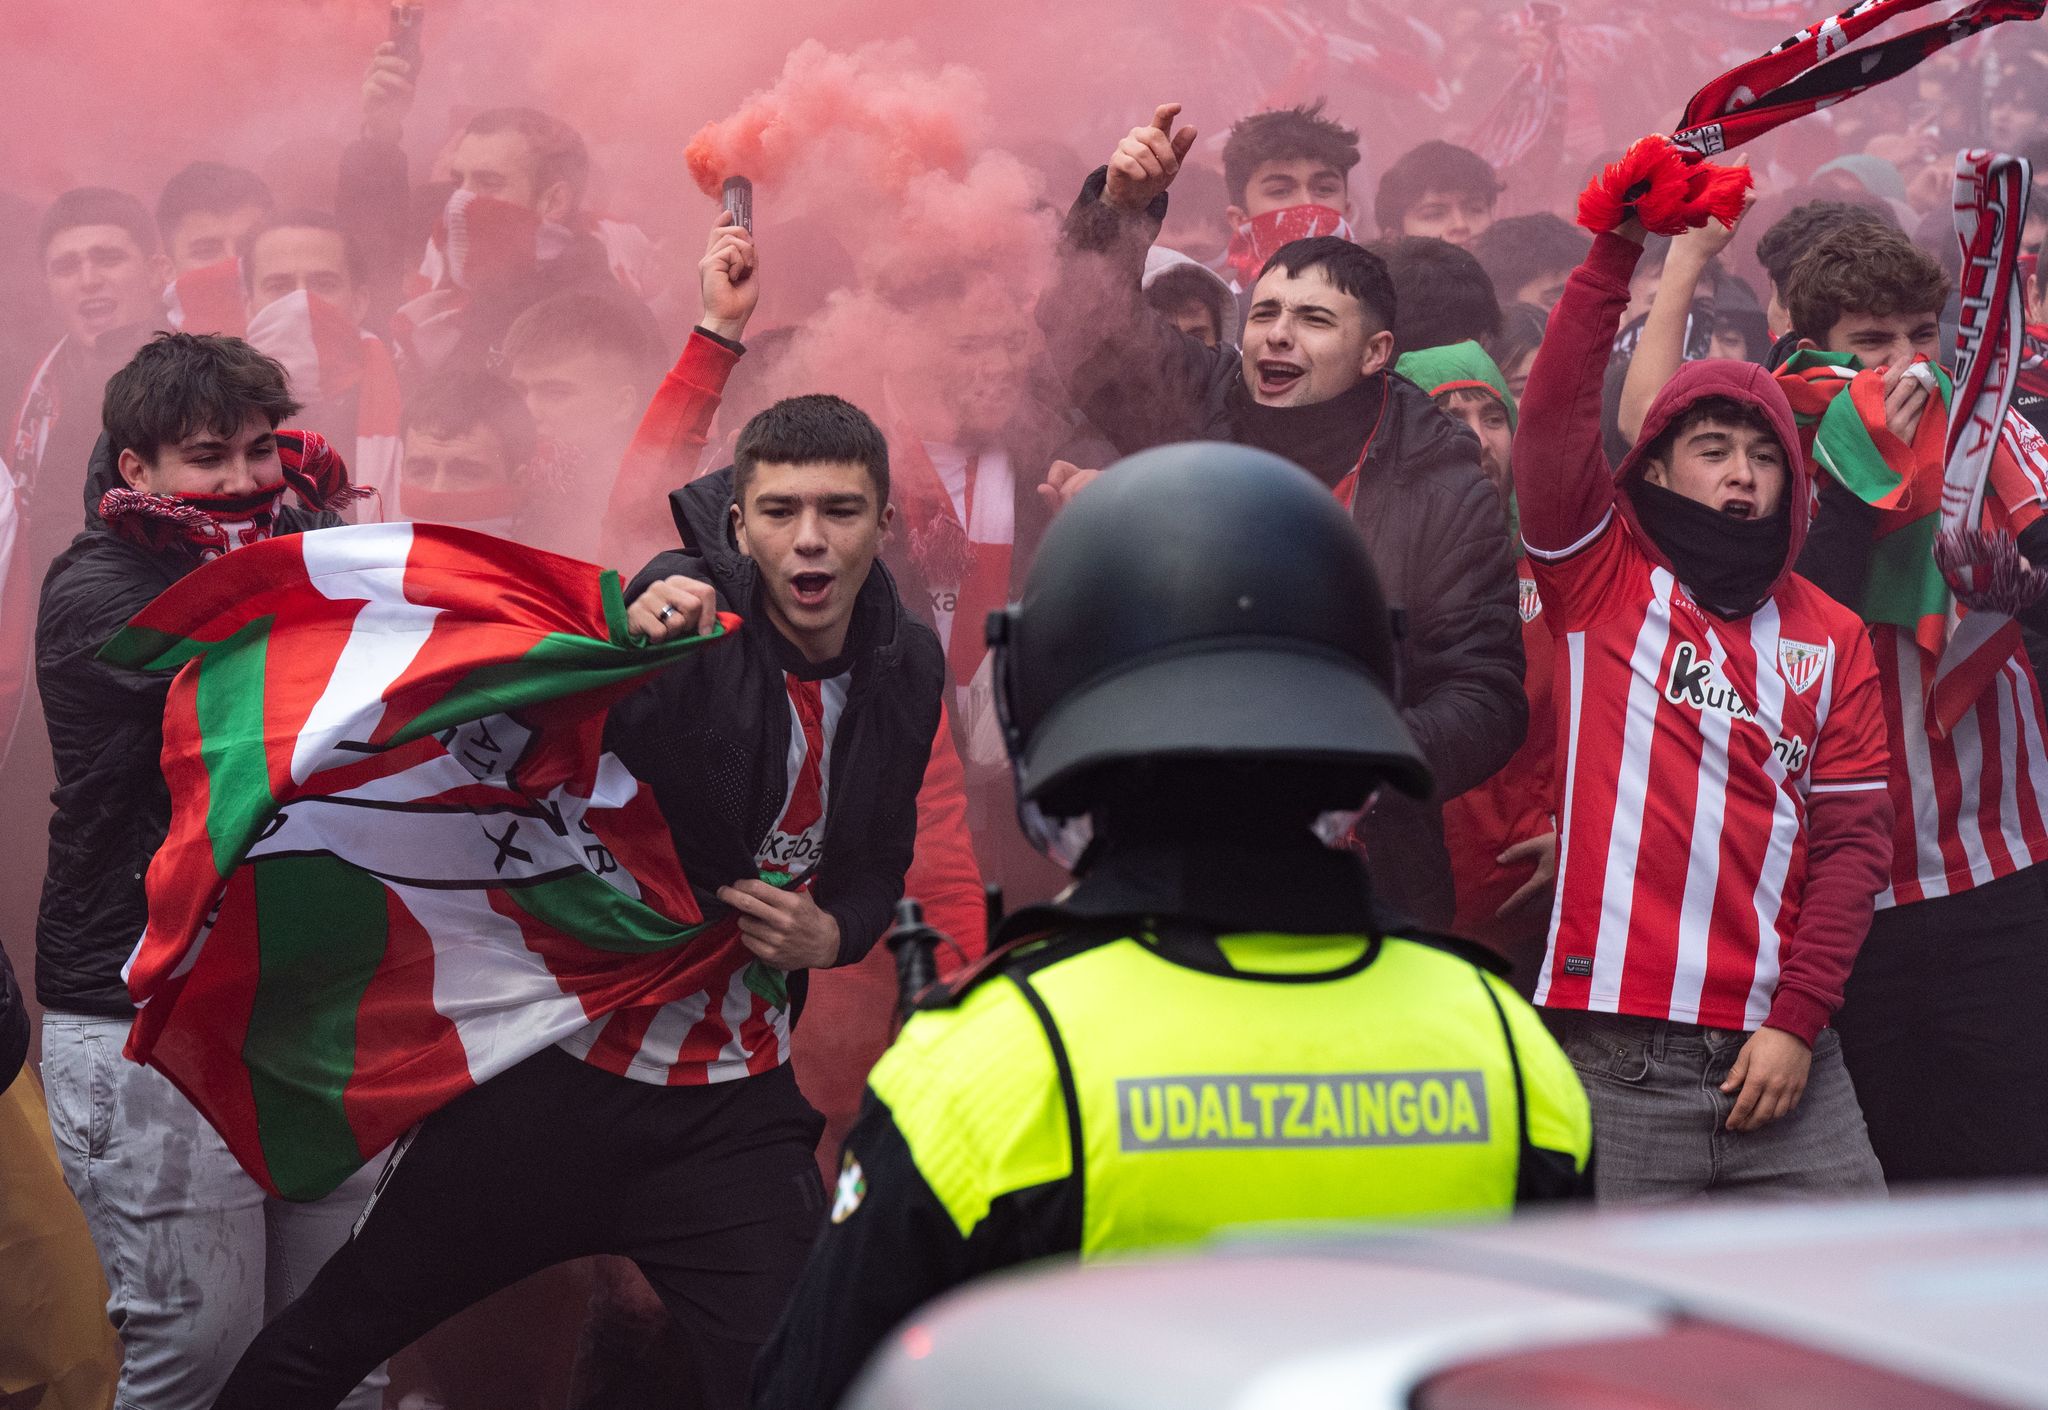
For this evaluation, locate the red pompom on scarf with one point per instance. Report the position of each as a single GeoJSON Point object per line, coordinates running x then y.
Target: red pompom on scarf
{"type": "Point", "coordinates": [316, 471]}
{"type": "Point", "coordinates": [1669, 188]}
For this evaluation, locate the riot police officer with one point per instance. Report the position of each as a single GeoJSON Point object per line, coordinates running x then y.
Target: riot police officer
{"type": "Point", "coordinates": [1214, 1027]}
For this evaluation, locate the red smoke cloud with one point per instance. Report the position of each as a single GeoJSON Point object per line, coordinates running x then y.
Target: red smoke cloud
{"type": "Point", "coordinates": [871, 111]}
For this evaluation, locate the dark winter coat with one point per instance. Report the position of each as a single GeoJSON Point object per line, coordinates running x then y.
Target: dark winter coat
{"type": "Point", "coordinates": [113, 807]}
{"type": "Point", "coordinates": [1434, 524]}
{"type": "Point", "coordinates": [710, 734]}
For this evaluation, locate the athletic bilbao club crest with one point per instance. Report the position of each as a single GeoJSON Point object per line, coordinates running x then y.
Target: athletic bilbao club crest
{"type": "Point", "coordinates": [1531, 601]}
{"type": "Point", "coordinates": [1800, 663]}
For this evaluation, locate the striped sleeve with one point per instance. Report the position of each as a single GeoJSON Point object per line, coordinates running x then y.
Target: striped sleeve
{"type": "Point", "coordinates": [1853, 752]}
{"type": "Point", "coordinates": [2019, 473]}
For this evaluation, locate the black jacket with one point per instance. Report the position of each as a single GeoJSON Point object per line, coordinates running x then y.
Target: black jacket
{"type": "Point", "coordinates": [13, 1024]}
{"type": "Point", "coordinates": [1435, 526]}
{"type": "Point", "coordinates": [106, 735]}
{"type": "Point", "coordinates": [710, 734]}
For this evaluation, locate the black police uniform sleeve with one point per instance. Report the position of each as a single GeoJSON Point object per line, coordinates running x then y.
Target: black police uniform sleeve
{"type": "Point", "coordinates": [1133, 374]}
{"type": "Point", "coordinates": [961, 1162]}
{"type": "Point", "coordinates": [1556, 1160]}
{"type": "Point", "coordinates": [893, 1246]}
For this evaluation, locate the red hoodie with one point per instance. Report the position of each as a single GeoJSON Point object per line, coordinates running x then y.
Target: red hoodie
{"type": "Point", "coordinates": [1724, 821]}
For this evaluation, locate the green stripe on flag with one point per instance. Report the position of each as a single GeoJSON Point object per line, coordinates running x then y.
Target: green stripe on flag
{"type": "Point", "coordinates": [322, 932]}
{"type": "Point", "coordinates": [1903, 586]}
{"type": "Point", "coordinates": [228, 701]}
{"type": "Point", "coordinates": [613, 593]}
{"type": "Point", "coordinates": [558, 664]}
{"type": "Point", "coordinates": [593, 912]}
{"type": "Point", "coordinates": [147, 649]}
{"type": "Point", "coordinates": [1843, 448]}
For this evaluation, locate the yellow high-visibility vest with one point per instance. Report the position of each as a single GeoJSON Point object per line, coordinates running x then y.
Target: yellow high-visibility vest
{"type": "Point", "coordinates": [1303, 1079]}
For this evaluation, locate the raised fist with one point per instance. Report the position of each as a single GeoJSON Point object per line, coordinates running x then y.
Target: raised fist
{"type": "Point", "coordinates": [1145, 163]}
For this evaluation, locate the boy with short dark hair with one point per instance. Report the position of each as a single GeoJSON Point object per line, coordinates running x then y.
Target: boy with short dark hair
{"type": "Point", "coordinates": [586, 365]}
{"type": "Point", "coordinates": [787, 766]}
{"type": "Point", "coordinates": [1794, 233]}
{"type": "Point", "coordinates": [100, 260]}
{"type": "Point", "coordinates": [1722, 760]}
{"type": "Point", "coordinates": [1438, 189]}
{"type": "Point", "coordinates": [192, 465]}
{"type": "Point", "coordinates": [469, 447]}
{"type": "Point", "coordinates": [1288, 171]}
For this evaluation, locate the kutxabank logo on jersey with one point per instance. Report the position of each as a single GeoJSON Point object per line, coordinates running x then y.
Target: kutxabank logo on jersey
{"type": "Point", "coordinates": [1693, 680]}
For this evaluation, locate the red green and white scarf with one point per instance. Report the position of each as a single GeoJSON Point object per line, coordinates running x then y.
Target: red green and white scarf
{"type": "Point", "coordinates": [1944, 566]}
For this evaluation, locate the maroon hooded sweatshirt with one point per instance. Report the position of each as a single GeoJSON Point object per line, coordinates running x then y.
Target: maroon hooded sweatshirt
{"type": "Point", "coordinates": [1724, 821]}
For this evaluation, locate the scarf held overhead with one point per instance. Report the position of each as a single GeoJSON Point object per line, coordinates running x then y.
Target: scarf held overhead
{"type": "Point", "coordinates": [1809, 71]}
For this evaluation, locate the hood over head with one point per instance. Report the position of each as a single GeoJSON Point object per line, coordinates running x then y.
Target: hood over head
{"type": "Point", "coordinates": [1739, 381]}
{"type": "Point", "coordinates": [1160, 260]}
{"type": "Point", "coordinates": [1457, 367]}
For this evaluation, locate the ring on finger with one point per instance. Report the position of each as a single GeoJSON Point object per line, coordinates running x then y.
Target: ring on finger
{"type": "Point", "coordinates": [665, 613]}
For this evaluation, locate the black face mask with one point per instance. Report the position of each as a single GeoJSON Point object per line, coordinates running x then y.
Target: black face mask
{"type": "Point", "coordinates": [1727, 564]}
{"type": "Point", "coordinates": [1323, 437]}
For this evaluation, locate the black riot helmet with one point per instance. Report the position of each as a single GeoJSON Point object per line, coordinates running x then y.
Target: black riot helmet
{"type": "Point", "coordinates": [1199, 602]}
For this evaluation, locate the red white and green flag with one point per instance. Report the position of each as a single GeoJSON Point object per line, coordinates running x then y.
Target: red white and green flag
{"type": "Point", "coordinates": [399, 859]}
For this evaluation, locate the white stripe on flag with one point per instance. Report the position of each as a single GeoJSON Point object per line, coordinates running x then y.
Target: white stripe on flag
{"type": "Point", "coordinates": [361, 563]}
{"type": "Point", "coordinates": [500, 995]}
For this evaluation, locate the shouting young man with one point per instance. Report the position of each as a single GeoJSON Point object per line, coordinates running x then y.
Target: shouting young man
{"type": "Point", "coordinates": [1721, 743]}
{"type": "Point", "coordinates": [787, 766]}
{"type": "Point", "coordinates": [1314, 384]}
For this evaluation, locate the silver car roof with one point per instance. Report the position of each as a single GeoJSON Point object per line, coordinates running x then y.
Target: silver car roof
{"type": "Point", "coordinates": [1947, 1288]}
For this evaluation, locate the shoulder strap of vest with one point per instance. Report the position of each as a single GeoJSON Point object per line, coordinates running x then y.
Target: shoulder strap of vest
{"type": "Point", "coordinates": [1033, 949]}
{"type": "Point", "coordinates": [1524, 1147]}
{"type": "Point", "coordinates": [1070, 1092]}
{"type": "Point", "coordinates": [1471, 951]}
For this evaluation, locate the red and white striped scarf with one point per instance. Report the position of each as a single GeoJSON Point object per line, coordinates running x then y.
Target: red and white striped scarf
{"type": "Point", "coordinates": [1809, 71]}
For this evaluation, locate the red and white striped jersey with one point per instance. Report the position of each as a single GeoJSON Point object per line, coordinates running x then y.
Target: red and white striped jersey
{"type": "Point", "coordinates": [738, 1025]}
{"type": "Point", "coordinates": [1688, 748]}
{"type": "Point", "coordinates": [1971, 807]}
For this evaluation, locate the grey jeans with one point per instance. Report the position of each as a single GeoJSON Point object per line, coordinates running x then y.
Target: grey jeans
{"type": "Point", "coordinates": [1660, 1119]}
{"type": "Point", "coordinates": [197, 1257]}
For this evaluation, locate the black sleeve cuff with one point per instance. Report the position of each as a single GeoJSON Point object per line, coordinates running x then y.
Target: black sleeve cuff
{"type": "Point", "coordinates": [738, 349]}
{"type": "Point", "coordinates": [1092, 224]}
